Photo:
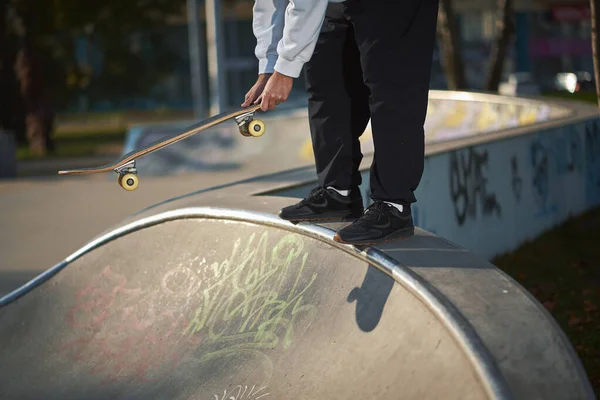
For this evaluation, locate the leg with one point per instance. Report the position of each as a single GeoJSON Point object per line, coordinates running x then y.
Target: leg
{"type": "Point", "coordinates": [337, 102]}
{"type": "Point", "coordinates": [338, 110]}
{"type": "Point", "coordinates": [396, 40]}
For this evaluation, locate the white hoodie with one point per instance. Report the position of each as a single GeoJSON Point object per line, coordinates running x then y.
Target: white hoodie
{"type": "Point", "coordinates": [286, 33]}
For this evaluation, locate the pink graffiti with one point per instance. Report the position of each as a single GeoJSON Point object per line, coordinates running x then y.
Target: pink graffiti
{"type": "Point", "coordinates": [124, 332]}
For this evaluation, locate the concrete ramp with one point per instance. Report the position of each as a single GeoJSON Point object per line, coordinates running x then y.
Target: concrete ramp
{"type": "Point", "coordinates": [198, 303]}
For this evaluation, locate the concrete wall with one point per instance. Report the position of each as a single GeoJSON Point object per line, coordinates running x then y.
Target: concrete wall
{"type": "Point", "coordinates": [491, 197]}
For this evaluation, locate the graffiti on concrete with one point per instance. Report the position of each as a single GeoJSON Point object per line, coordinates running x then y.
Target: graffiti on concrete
{"type": "Point", "coordinates": [540, 182]}
{"type": "Point", "coordinates": [450, 119]}
{"type": "Point", "coordinates": [540, 179]}
{"type": "Point", "coordinates": [255, 298]}
{"type": "Point", "coordinates": [517, 181]}
{"type": "Point", "coordinates": [568, 152]}
{"type": "Point", "coordinates": [468, 185]}
{"type": "Point", "coordinates": [239, 393]}
{"type": "Point", "coordinates": [575, 151]}
{"type": "Point", "coordinates": [249, 303]}
{"type": "Point", "coordinates": [113, 323]}
{"type": "Point", "coordinates": [556, 160]}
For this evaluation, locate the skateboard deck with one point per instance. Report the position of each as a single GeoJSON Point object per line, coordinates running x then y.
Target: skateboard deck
{"type": "Point", "coordinates": [125, 166]}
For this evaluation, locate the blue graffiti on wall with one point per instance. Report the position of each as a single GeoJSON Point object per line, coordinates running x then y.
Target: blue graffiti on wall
{"type": "Point", "coordinates": [468, 185]}
{"type": "Point", "coordinates": [540, 183]}
{"type": "Point", "coordinates": [568, 152]}
{"type": "Point", "coordinates": [516, 181]}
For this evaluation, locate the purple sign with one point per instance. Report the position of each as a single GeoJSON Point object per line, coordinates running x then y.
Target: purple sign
{"type": "Point", "coordinates": [553, 47]}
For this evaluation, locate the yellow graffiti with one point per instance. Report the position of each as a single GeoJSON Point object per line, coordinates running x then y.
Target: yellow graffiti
{"type": "Point", "coordinates": [487, 117]}
{"type": "Point", "coordinates": [306, 149]}
{"type": "Point", "coordinates": [528, 116]}
{"type": "Point", "coordinates": [457, 118]}
{"type": "Point", "coordinates": [254, 299]}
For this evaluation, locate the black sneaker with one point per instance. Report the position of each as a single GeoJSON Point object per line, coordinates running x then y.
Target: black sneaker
{"type": "Point", "coordinates": [381, 222]}
{"type": "Point", "coordinates": [323, 205]}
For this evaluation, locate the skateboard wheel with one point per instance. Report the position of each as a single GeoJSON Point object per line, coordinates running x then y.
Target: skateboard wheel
{"type": "Point", "coordinates": [129, 181]}
{"type": "Point", "coordinates": [244, 131]}
{"type": "Point", "coordinates": [256, 128]}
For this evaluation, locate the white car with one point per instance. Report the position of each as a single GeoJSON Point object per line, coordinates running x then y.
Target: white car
{"type": "Point", "coordinates": [574, 81]}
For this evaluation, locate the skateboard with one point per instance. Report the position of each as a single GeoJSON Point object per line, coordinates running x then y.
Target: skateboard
{"type": "Point", "coordinates": [125, 166]}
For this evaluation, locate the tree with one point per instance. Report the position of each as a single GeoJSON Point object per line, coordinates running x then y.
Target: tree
{"type": "Point", "coordinates": [450, 50]}
{"type": "Point", "coordinates": [11, 115]}
{"type": "Point", "coordinates": [46, 66]}
{"type": "Point", "coordinates": [36, 99]}
{"type": "Point", "coordinates": [504, 31]}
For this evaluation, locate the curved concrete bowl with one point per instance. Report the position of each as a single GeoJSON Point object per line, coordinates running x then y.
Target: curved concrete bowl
{"type": "Point", "coordinates": [188, 301]}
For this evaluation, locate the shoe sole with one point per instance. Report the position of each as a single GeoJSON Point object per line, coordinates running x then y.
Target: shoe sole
{"type": "Point", "coordinates": [398, 235]}
{"type": "Point", "coordinates": [341, 218]}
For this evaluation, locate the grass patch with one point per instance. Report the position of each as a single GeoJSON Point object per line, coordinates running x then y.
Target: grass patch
{"type": "Point", "coordinates": [588, 96]}
{"type": "Point", "coordinates": [78, 144]}
{"type": "Point", "coordinates": [561, 268]}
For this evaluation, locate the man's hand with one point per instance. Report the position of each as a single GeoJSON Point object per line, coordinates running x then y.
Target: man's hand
{"type": "Point", "coordinates": [276, 91]}
{"type": "Point", "coordinates": [256, 90]}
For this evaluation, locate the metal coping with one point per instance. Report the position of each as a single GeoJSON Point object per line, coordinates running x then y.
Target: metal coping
{"type": "Point", "coordinates": [463, 332]}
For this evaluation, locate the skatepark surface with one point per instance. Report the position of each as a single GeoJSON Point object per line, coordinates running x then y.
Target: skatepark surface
{"type": "Point", "coordinates": [189, 300]}
{"type": "Point", "coordinates": [177, 291]}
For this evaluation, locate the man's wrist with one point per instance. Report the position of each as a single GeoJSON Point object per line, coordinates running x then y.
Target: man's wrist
{"type": "Point", "coordinates": [280, 75]}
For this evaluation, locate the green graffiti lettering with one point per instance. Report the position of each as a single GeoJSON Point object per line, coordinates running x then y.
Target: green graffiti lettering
{"type": "Point", "coordinates": [253, 299]}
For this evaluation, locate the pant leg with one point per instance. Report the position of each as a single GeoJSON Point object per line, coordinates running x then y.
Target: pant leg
{"type": "Point", "coordinates": [396, 41]}
{"type": "Point", "coordinates": [338, 105]}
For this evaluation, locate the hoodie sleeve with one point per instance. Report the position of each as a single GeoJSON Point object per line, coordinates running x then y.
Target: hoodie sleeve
{"type": "Point", "coordinates": [287, 32]}
{"type": "Point", "coordinates": [267, 23]}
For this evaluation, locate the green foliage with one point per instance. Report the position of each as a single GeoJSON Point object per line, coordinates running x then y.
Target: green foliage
{"type": "Point", "coordinates": [560, 268]}
{"type": "Point", "coordinates": [124, 37]}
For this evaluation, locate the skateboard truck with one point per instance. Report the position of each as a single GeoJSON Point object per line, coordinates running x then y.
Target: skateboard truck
{"type": "Point", "coordinates": [249, 126]}
{"type": "Point", "coordinates": [127, 176]}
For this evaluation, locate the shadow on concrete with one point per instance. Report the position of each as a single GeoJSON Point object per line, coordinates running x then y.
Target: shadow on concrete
{"type": "Point", "coordinates": [370, 298]}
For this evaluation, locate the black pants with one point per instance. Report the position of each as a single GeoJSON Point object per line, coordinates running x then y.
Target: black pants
{"type": "Point", "coordinates": [372, 61]}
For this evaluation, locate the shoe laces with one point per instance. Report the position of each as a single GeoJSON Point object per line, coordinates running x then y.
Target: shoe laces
{"type": "Point", "coordinates": [316, 194]}
{"type": "Point", "coordinates": [374, 212]}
